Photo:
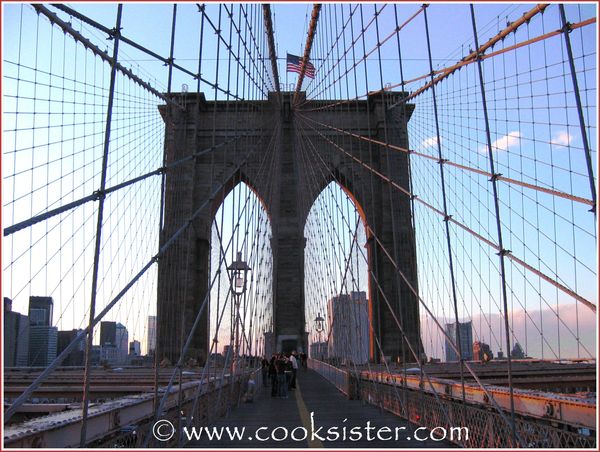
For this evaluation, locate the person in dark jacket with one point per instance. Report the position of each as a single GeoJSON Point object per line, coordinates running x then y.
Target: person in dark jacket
{"type": "Point", "coordinates": [265, 371]}
{"type": "Point", "coordinates": [281, 365]}
{"type": "Point", "coordinates": [304, 360]}
{"type": "Point", "coordinates": [273, 376]}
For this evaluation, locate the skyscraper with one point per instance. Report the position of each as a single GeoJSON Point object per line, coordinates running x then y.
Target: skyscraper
{"type": "Point", "coordinates": [348, 317]}
{"type": "Point", "coordinates": [40, 311]}
{"type": "Point", "coordinates": [151, 340]}
{"type": "Point", "coordinates": [76, 357]}
{"type": "Point", "coordinates": [16, 337]}
{"type": "Point", "coordinates": [135, 348]}
{"type": "Point", "coordinates": [114, 340]}
{"type": "Point", "coordinates": [121, 342]}
{"type": "Point", "coordinates": [42, 335]}
{"type": "Point", "coordinates": [465, 334]}
{"type": "Point", "coordinates": [108, 333]}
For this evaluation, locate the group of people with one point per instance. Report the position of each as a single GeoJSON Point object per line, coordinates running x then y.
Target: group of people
{"type": "Point", "coordinates": [281, 372]}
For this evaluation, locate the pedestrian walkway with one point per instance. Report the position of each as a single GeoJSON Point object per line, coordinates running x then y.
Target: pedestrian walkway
{"type": "Point", "coordinates": [315, 406]}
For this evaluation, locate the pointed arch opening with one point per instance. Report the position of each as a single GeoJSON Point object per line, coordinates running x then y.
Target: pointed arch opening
{"type": "Point", "coordinates": [336, 279]}
{"type": "Point", "coordinates": [239, 320]}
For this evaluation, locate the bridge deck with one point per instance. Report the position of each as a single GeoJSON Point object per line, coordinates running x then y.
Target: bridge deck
{"type": "Point", "coordinates": [331, 408]}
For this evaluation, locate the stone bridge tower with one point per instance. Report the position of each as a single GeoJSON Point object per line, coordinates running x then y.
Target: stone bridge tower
{"type": "Point", "coordinates": [248, 129]}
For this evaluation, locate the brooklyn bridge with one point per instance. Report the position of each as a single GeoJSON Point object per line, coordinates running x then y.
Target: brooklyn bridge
{"type": "Point", "coordinates": [325, 225]}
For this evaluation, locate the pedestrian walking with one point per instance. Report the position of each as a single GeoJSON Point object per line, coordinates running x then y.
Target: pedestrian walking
{"type": "Point", "coordinates": [265, 371]}
{"type": "Point", "coordinates": [281, 364]}
{"type": "Point", "coordinates": [273, 376]}
{"type": "Point", "coordinates": [294, 362]}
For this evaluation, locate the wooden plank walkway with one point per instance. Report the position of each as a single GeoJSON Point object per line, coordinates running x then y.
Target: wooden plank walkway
{"type": "Point", "coordinates": [329, 408]}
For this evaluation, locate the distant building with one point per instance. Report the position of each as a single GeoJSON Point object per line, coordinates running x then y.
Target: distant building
{"type": "Point", "coordinates": [96, 355]}
{"type": "Point", "coordinates": [517, 352]}
{"type": "Point", "coordinates": [151, 339]}
{"type": "Point", "coordinates": [348, 318]}
{"type": "Point", "coordinates": [135, 348]}
{"type": "Point", "coordinates": [42, 345]}
{"type": "Point", "coordinates": [109, 354]}
{"type": "Point", "coordinates": [114, 340]}
{"type": "Point", "coordinates": [465, 334]}
{"type": "Point", "coordinates": [122, 343]}
{"type": "Point", "coordinates": [16, 337]}
{"type": "Point", "coordinates": [108, 333]}
{"type": "Point", "coordinates": [40, 311]}
{"type": "Point", "coordinates": [77, 356]}
{"type": "Point", "coordinates": [43, 336]}
{"type": "Point", "coordinates": [482, 351]}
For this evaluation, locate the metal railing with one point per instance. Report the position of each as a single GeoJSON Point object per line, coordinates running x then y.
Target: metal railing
{"type": "Point", "coordinates": [126, 421]}
{"type": "Point", "coordinates": [338, 377]}
{"type": "Point", "coordinates": [486, 427]}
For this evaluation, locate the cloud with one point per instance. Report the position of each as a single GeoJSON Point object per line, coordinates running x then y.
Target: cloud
{"type": "Point", "coordinates": [562, 138]}
{"type": "Point", "coordinates": [503, 143]}
{"type": "Point", "coordinates": [507, 141]}
{"type": "Point", "coordinates": [429, 142]}
{"type": "Point", "coordinates": [526, 327]}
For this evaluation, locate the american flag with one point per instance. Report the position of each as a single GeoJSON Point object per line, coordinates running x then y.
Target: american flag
{"type": "Point", "coordinates": [294, 64]}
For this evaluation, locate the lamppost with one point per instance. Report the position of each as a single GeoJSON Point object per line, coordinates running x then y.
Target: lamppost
{"type": "Point", "coordinates": [319, 327]}
{"type": "Point", "coordinates": [237, 278]}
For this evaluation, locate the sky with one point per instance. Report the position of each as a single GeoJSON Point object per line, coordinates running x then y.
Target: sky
{"type": "Point", "coordinates": [541, 142]}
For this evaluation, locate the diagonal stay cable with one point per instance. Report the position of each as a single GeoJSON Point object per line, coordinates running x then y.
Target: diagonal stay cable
{"type": "Point", "coordinates": [324, 175]}
{"type": "Point", "coordinates": [223, 252]}
{"type": "Point", "coordinates": [190, 335]}
{"type": "Point", "coordinates": [446, 335]}
{"type": "Point", "coordinates": [493, 245]}
{"type": "Point", "coordinates": [76, 340]}
{"type": "Point", "coordinates": [388, 303]}
{"type": "Point", "coordinates": [484, 173]}
{"type": "Point", "coordinates": [67, 28]}
{"type": "Point", "coordinates": [98, 194]}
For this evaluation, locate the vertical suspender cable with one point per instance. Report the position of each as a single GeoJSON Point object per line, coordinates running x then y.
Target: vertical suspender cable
{"type": "Point", "coordinates": [393, 209]}
{"type": "Point", "coordinates": [374, 270]}
{"type": "Point", "coordinates": [172, 48]}
{"type": "Point", "coordinates": [410, 187]}
{"type": "Point", "coordinates": [162, 191]}
{"type": "Point", "coordinates": [200, 47]}
{"type": "Point", "coordinates": [446, 216]}
{"type": "Point", "coordinates": [584, 138]}
{"type": "Point", "coordinates": [502, 252]}
{"type": "Point", "coordinates": [90, 337]}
